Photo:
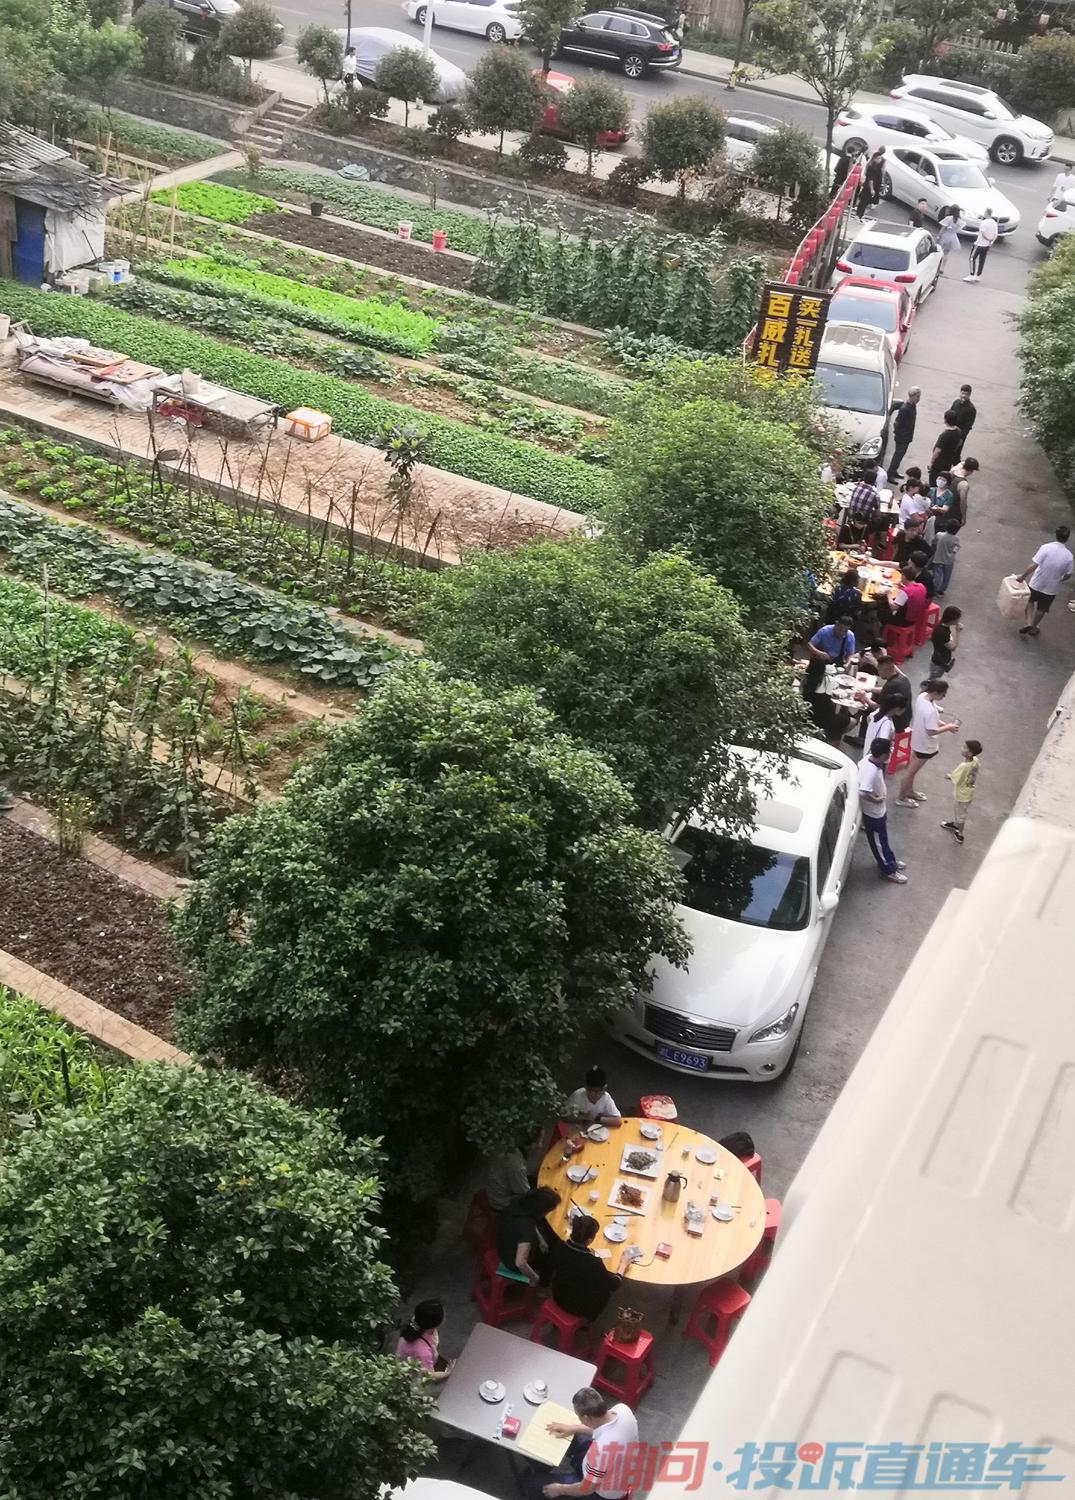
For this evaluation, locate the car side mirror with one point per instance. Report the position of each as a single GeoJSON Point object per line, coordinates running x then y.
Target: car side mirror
{"type": "Point", "coordinates": [828, 903]}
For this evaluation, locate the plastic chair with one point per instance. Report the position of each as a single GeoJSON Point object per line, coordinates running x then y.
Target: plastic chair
{"type": "Point", "coordinates": [927, 624]}
{"type": "Point", "coordinates": [899, 641]}
{"type": "Point", "coordinates": [753, 1166]}
{"type": "Point", "coordinates": [717, 1309]}
{"type": "Point", "coordinates": [887, 551]}
{"type": "Point", "coordinates": [758, 1260]}
{"type": "Point", "coordinates": [501, 1294]}
{"type": "Point", "coordinates": [568, 1330]}
{"type": "Point", "coordinates": [635, 1362]}
{"type": "Point", "coordinates": [479, 1226]}
{"type": "Point", "coordinates": [900, 755]}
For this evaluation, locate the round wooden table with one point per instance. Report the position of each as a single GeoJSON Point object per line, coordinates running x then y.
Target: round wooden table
{"type": "Point", "coordinates": [720, 1247]}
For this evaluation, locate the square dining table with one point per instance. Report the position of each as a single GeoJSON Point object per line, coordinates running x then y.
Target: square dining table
{"type": "Point", "coordinates": [491, 1354]}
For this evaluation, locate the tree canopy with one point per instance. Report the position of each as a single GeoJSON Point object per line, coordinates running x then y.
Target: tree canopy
{"type": "Point", "coordinates": [739, 494]}
{"type": "Point", "coordinates": [503, 94]}
{"type": "Point", "coordinates": [191, 1303]}
{"type": "Point", "coordinates": [320, 52]}
{"type": "Point", "coordinates": [406, 73]}
{"type": "Point", "coordinates": [420, 926]}
{"type": "Point", "coordinates": [252, 31]}
{"type": "Point", "coordinates": [679, 137]}
{"type": "Point", "coordinates": [542, 21]}
{"type": "Point", "coordinates": [594, 106]}
{"type": "Point", "coordinates": [647, 662]}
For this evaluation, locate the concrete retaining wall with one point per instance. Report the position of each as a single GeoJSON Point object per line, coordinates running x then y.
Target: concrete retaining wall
{"type": "Point", "coordinates": [184, 110]}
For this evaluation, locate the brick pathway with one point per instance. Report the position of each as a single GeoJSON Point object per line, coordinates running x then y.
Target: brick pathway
{"type": "Point", "coordinates": [334, 481]}
{"type": "Point", "coordinates": [158, 883]}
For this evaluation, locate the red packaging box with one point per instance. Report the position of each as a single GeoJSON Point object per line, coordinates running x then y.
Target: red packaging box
{"type": "Point", "coordinates": [663, 1250]}
{"type": "Point", "coordinates": [511, 1427]}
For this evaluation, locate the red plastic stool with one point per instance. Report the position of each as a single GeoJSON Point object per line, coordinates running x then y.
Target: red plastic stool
{"type": "Point", "coordinates": [900, 756]}
{"type": "Point", "coordinates": [479, 1226]}
{"type": "Point", "coordinates": [888, 551]}
{"type": "Point", "coordinates": [899, 641]}
{"type": "Point", "coordinates": [713, 1316]}
{"type": "Point", "coordinates": [927, 624]}
{"type": "Point", "coordinates": [499, 1298]}
{"type": "Point", "coordinates": [753, 1166]}
{"type": "Point", "coordinates": [567, 1328]}
{"type": "Point", "coordinates": [635, 1362]}
{"type": "Point", "coordinates": [758, 1260]}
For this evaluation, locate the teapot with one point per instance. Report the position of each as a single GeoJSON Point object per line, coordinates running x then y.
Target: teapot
{"type": "Point", "coordinates": [674, 1184]}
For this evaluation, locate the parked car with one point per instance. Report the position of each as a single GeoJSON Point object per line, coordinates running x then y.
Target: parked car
{"type": "Point", "coordinates": [893, 252]}
{"type": "Point", "coordinates": [496, 20]}
{"type": "Point", "coordinates": [866, 127]}
{"type": "Point", "coordinates": [371, 43]}
{"type": "Point", "coordinates": [855, 381]}
{"type": "Point", "coordinates": [758, 909]}
{"type": "Point", "coordinates": [204, 18]}
{"type": "Point", "coordinates": [943, 177]}
{"type": "Point", "coordinates": [630, 40]}
{"type": "Point", "coordinates": [551, 124]}
{"type": "Point", "coordinates": [881, 304]}
{"type": "Point", "coordinates": [742, 132]}
{"type": "Point", "coordinates": [981, 114]}
{"type": "Point", "coordinates": [1058, 219]}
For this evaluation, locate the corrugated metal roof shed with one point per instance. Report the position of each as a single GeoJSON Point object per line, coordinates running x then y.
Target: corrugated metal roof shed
{"type": "Point", "coordinates": [34, 169]}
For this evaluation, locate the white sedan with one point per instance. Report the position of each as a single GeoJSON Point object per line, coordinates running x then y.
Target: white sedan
{"type": "Point", "coordinates": [496, 20]}
{"type": "Point", "coordinates": [371, 43]}
{"type": "Point", "coordinates": [743, 131]}
{"type": "Point", "coordinates": [758, 908]}
{"type": "Point", "coordinates": [866, 127]}
{"type": "Point", "coordinates": [942, 178]}
{"type": "Point", "coordinates": [1058, 219]}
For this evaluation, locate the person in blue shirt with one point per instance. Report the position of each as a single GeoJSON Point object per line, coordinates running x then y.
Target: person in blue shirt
{"type": "Point", "coordinates": [832, 645]}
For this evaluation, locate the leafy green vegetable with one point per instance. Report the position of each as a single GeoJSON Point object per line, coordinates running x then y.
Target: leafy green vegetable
{"type": "Point", "coordinates": [162, 142]}
{"type": "Point", "coordinates": [213, 201]}
{"type": "Point", "coordinates": [32, 1081]}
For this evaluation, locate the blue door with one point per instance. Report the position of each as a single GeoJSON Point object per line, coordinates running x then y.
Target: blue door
{"type": "Point", "coordinates": [29, 242]}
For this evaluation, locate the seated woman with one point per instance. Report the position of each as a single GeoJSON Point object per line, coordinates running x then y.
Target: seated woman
{"type": "Point", "coordinates": [523, 1238]}
{"type": "Point", "coordinates": [846, 599]}
{"type": "Point", "coordinates": [420, 1340]}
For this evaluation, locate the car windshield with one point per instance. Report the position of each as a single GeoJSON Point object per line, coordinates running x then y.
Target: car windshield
{"type": "Point", "coordinates": [742, 883]}
{"type": "Point", "coordinates": [878, 257]}
{"type": "Point", "coordinates": [961, 174]}
{"type": "Point", "coordinates": [850, 389]}
{"type": "Point", "coordinates": [879, 312]}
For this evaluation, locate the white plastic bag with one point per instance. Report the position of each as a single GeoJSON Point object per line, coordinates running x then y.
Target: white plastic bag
{"type": "Point", "coordinates": [1013, 598]}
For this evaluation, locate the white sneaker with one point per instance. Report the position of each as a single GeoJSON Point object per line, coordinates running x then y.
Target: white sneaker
{"type": "Point", "coordinates": [901, 864]}
{"type": "Point", "coordinates": [906, 802]}
{"type": "Point", "coordinates": [972, 278]}
{"type": "Point", "coordinates": [897, 878]}
{"type": "Point", "coordinates": [920, 796]}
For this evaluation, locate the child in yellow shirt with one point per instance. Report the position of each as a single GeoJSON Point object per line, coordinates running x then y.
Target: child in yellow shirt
{"type": "Point", "coordinates": [963, 780]}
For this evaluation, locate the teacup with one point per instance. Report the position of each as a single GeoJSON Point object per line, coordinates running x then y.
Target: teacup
{"type": "Point", "coordinates": [490, 1387]}
{"type": "Point", "coordinates": [594, 1197]}
{"type": "Point", "coordinates": [540, 1387]}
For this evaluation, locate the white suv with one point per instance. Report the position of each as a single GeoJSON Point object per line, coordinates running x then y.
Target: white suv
{"type": "Point", "coordinates": [1058, 219]}
{"type": "Point", "coordinates": [980, 114]}
{"type": "Point", "coordinates": [757, 908]}
{"type": "Point", "coordinates": [892, 252]}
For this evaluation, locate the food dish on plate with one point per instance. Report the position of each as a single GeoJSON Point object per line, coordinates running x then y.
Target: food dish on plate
{"type": "Point", "coordinates": [598, 1133]}
{"type": "Point", "coordinates": [630, 1197]}
{"type": "Point", "coordinates": [637, 1159]}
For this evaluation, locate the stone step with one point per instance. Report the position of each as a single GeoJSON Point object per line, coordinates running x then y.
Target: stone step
{"type": "Point", "coordinates": [287, 109]}
{"type": "Point", "coordinates": [263, 137]}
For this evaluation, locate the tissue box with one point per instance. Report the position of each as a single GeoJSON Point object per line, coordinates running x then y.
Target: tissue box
{"type": "Point", "coordinates": [511, 1427]}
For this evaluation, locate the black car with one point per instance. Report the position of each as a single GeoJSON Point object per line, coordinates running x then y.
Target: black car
{"type": "Point", "coordinates": [632, 40]}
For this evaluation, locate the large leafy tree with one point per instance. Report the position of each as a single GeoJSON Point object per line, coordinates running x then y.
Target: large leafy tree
{"type": "Point", "coordinates": [191, 1303]}
{"type": "Point", "coordinates": [103, 56]}
{"type": "Point", "coordinates": [739, 494]}
{"type": "Point", "coordinates": [646, 661]}
{"type": "Point", "coordinates": [406, 73]}
{"type": "Point", "coordinates": [927, 23]}
{"type": "Point", "coordinates": [251, 31]}
{"type": "Point", "coordinates": [834, 49]}
{"type": "Point", "coordinates": [161, 30]}
{"type": "Point", "coordinates": [594, 106]}
{"type": "Point", "coordinates": [679, 138]}
{"type": "Point", "coordinates": [542, 21]}
{"type": "Point", "coordinates": [320, 52]}
{"type": "Point", "coordinates": [421, 925]}
{"type": "Point", "coordinates": [1047, 353]}
{"type": "Point", "coordinates": [787, 159]}
{"type": "Point", "coordinates": [503, 94]}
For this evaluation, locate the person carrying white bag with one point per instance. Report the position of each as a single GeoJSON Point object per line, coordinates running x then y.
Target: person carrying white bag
{"type": "Point", "coordinates": [1052, 564]}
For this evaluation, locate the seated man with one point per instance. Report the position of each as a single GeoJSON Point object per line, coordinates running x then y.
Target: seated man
{"type": "Point", "coordinates": [581, 1283]}
{"type": "Point", "coordinates": [592, 1104]}
{"type": "Point", "coordinates": [506, 1176]}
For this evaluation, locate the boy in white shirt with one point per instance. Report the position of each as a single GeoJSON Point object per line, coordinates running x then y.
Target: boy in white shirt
{"type": "Point", "coordinates": [592, 1104]}
{"type": "Point", "coordinates": [872, 796]}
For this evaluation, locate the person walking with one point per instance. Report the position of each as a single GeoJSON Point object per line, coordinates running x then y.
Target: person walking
{"type": "Point", "coordinates": [903, 425]}
{"type": "Point", "coordinates": [1051, 565]}
{"type": "Point", "coordinates": [349, 69]}
{"type": "Point", "coordinates": [944, 640]}
{"type": "Point", "coordinates": [948, 234]}
{"type": "Point", "coordinates": [963, 473]}
{"type": "Point", "coordinates": [964, 779]}
{"type": "Point", "coordinates": [964, 409]}
{"type": "Point", "coordinates": [873, 797]}
{"type": "Point", "coordinates": [988, 229]}
{"type": "Point", "coordinates": [1063, 182]}
{"type": "Point", "coordinates": [945, 547]}
{"type": "Point", "coordinates": [870, 191]}
{"type": "Point", "coordinates": [848, 157]}
{"type": "Point", "coordinates": [947, 447]}
{"type": "Point", "coordinates": [919, 214]}
{"type": "Point", "coordinates": [926, 726]}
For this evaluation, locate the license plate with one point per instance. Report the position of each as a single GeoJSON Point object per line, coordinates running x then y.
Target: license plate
{"type": "Point", "coordinates": [677, 1055]}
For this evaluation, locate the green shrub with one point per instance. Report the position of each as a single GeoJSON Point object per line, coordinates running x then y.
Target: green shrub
{"type": "Point", "coordinates": [148, 138]}
{"type": "Point", "coordinates": [518, 467]}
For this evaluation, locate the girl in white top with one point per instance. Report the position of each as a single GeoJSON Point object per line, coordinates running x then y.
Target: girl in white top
{"type": "Point", "coordinates": [948, 237]}
{"type": "Point", "coordinates": [926, 726]}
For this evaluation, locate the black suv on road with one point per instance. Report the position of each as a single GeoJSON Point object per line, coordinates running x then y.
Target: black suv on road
{"type": "Point", "coordinates": [631, 39]}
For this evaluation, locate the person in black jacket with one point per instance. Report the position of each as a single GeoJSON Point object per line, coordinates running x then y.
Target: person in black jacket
{"type": "Point", "coordinates": [903, 425]}
{"type": "Point", "coordinates": [581, 1284]}
{"type": "Point", "coordinates": [965, 410]}
{"type": "Point", "coordinates": [848, 157]}
{"type": "Point", "coordinates": [872, 178]}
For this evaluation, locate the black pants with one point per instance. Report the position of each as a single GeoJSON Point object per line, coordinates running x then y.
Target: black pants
{"type": "Point", "coordinates": [977, 259]}
{"type": "Point", "coordinates": [902, 444]}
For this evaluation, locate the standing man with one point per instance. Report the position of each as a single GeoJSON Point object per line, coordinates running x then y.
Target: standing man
{"type": "Point", "coordinates": [986, 238]}
{"type": "Point", "coordinates": [903, 426]}
{"type": "Point", "coordinates": [350, 68]}
{"type": "Point", "coordinates": [962, 474]}
{"type": "Point", "coordinates": [608, 1436]}
{"type": "Point", "coordinates": [1063, 182]}
{"type": "Point", "coordinates": [965, 410]}
{"type": "Point", "coordinates": [848, 157]}
{"type": "Point", "coordinates": [947, 447]}
{"type": "Point", "coordinates": [1052, 564]}
{"type": "Point", "coordinates": [926, 726]}
{"type": "Point", "coordinates": [872, 796]}
{"type": "Point", "coordinates": [872, 177]}
{"type": "Point", "coordinates": [891, 698]}
{"type": "Point", "coordinates": [919, 214]}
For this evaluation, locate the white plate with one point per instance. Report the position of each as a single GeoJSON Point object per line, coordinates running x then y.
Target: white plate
{"type": "Point", "coordinates": [617, 1233]}
{"type": "Point", "coordinates": [493, 1397]}
{"type": "Point", "coordinates": [724, 1213]}
{"type": "Point", "coordinates": [706, 1154]}
{"type": "Point", "coordinates": [650, 1132]}
{"type": "Point", "coordinates": [652, 1171]}
{"type": "Point", "coordinates": [579, 1174]}
{"type": "Point", "coordinates": [598, 1133]}
{"type": "Point", "coordinates": [625, 1208]}
{"type": "Point", "coordinates": [536, 1398]}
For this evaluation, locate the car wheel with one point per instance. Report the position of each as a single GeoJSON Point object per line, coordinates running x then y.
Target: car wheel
{"type": "Point", "coordinates": [886, 186]}
{"type": "Point", "coordinates": [633, 65]}
{"type": "Point", "coordinates": [1007, 151]}
{"type": "Point", "coordinates": [420, 15]}
{"type": "Point", "coordinates": [856, 144]}
{"type": "Point", "coordinates": [495, 33]}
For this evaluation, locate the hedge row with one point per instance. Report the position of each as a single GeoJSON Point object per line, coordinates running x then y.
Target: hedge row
{"type": "Point", "coordinates": [519, 467]}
